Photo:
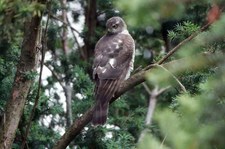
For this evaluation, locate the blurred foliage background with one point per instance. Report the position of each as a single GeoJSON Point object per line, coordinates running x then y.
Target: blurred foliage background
{"type": "Point", "coordinates": [192, 119]}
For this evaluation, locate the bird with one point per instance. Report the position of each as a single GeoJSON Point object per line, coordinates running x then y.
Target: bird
{"type": "Point", "coordinates": [113, 62]}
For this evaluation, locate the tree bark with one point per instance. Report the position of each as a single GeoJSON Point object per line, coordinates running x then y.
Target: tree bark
{"type": "Point", "coordinates": [22, 83]}
{"type": "Point", "coordinates": [90, 23]}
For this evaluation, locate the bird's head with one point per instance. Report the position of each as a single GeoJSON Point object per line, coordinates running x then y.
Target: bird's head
{"type": "Point", "coordinates": [115, 25]}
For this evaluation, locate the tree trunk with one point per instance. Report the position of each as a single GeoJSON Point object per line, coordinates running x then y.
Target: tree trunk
{"type": "Point", "coordinates": [90, 23]}
{"type": "Point", "coordinates": [22, 83]}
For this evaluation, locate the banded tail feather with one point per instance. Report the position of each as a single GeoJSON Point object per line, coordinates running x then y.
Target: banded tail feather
{"type": "Point", "coordinates": [104, 94]}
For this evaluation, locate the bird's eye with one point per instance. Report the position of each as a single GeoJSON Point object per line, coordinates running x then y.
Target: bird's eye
{"type": "Point", "coordinates": [115, 25]}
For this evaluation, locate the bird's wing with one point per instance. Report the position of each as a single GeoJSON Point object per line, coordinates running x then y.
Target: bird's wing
{"type": "Point", "coordinates": [112, 56]}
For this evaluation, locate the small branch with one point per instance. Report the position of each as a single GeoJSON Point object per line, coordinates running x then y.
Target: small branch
{"type": "Point", "coordinates": [171, 52]}
{"type": "Point", "coordinates": [161, 145]}
{"type": "Point", "coordinates": [55, 75]}
{"type": "Point", "coordinates": [151, 106]}
{"type": "Point", "coordinates": [183, 42]}
{"type": "Point", "coordinates": [152, 103]}
{"type": "Point", "coordinates": [146, 88]}
{"type": "Point", "coordinates": [175, 78]}
{"type": "Point", "coordinates": [65, 23]}
{"type": "Point", "coordinates": [75, 39]}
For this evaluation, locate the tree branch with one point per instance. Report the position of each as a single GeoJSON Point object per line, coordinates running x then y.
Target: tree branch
{"type": "Point", "coordinates": [171, 52]}
{"type": "Point", "coordinates": [65, 23]}
{"type": "Point", "coordinates": [56, 76]}
{"type": "Point", "coordinates": [152, 103]}
{"type": "Point", "coordinates": [174, 77]}
{"type": "Point", "coordinates": [151, 107]}
{"type": "Point", "coordinates": [75, 38]}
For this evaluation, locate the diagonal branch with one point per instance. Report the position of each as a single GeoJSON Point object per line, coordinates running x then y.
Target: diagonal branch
{"type": "Point", "coordinates": [171, 52]}
{"type": "Point", "coordinates": [75, 38]}
{"type": "Point", "coordinates": [174, 77]}
{"type": "Point", "coordinates": [56, 76]}
{"type": "Point", "coordinates": [65, 23]}
{"type": "Point", "coordinates": [135, 79]}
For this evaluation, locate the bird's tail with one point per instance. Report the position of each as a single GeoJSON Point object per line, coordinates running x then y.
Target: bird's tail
{"type": "Point", "coordinates": [103, 94]}
{"type": "Point", "coordinates": [100, 114]}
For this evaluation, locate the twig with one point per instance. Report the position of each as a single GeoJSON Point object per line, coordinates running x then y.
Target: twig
{"type": "Point", "coordinates": [183, 42]}
{"type": "Point", "coordinates": [146, 88]}
{"type": "Point", "coordinates": [55, 75]}
{"type": "Point", "coordinates": [72, 29]}
{"type": "Point", "coordinates": [175, 78]}
{"type": "Point", "coordinates": [43, 42]}
{"type": "Point", "coordinates": [138, 69]}
{"type": "Point", "coordinates": [75, 38]}
{"type": "Point", "coordinates": [65, 23]}
{"type": "Point", "coordinates": [161, 145]}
